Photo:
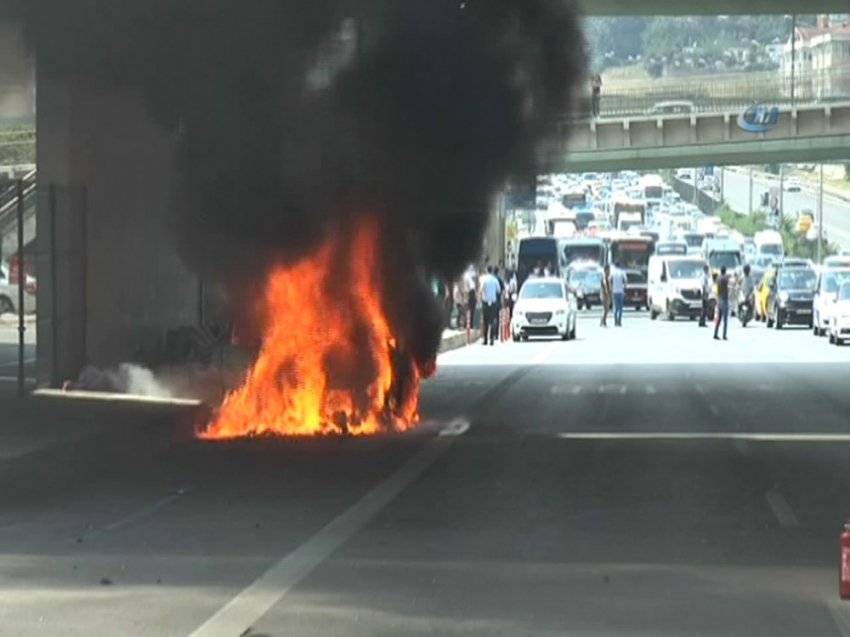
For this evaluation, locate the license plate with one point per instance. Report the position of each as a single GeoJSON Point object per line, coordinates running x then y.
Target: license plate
{"type": "Point", "coordinates": [539, 321]}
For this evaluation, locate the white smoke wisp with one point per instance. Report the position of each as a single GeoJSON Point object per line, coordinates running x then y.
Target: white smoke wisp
{"type": "Point", "coordinates": [204, 383]}
{"type": "Point", "coordinates": [140, 381]}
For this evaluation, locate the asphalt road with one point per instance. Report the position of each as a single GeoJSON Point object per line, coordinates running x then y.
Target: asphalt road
{"type": "Point", "coordinates": [643, 480]}
{"type": "Point", "coordinates": [836, 212]}
{"type": "Point", "coordinates": [9, 354]}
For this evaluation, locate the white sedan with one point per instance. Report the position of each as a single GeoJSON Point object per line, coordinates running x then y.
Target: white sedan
{"type": "Point", "coordinates": [545, 307]}
{"type": "Point", "coordinates": [839, 320]}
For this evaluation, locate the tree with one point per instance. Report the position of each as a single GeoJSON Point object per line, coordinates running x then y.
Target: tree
{"type": "Point", "coordinates": [613, 41]}
{"type": "Point", "coordinates": [796, 244]}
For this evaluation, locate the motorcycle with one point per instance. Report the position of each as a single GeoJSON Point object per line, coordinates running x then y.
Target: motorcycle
{"type": "Point", "coordinates": [746, 307]}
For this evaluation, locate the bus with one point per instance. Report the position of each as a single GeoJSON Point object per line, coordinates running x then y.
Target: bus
{"type": "Point", "coordinates": [542, 251]}
{"type": "Point", "coordinates": [584, 249]}
{"type": "Point", "coordinates": [652, 189]}
{"type": "Point", "coordinates": [631, 252]}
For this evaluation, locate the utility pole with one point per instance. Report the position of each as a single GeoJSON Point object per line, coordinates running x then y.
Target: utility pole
{"type": "Point", "coordinates": [820, 214]}
{"type": "Point", "coordinates": [781, 192]}
{"type": "Point", "coordinates": [751, 191]}
{"type": "Point", "coordinates": [793, 56]}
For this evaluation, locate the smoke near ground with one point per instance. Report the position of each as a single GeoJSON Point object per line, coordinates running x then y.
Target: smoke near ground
{"type": "Point", "coordinates": [294, 120]}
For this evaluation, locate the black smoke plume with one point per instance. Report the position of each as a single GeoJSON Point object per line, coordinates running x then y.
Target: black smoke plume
{"type": "Point", "coordinates": [296, 117]}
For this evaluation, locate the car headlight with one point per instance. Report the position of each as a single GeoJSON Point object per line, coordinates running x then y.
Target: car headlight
{"type": "Point", "coordinates": [560, 312]}
{"type": "Point", "coordinates": [783, 297]}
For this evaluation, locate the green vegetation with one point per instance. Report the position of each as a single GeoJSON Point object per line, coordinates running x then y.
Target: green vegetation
{"type": "Point", "coordinates": [698, 43]}
{"type": "Point", "coordinates": [796, 244]}
{"type": "Point", "coordinates": [17, 145]}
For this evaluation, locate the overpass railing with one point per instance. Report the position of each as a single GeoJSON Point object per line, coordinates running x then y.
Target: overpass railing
{"type": "Point", "coordinates": [830, 85]}
{"type": "Point", "coordinates": [9, 202]}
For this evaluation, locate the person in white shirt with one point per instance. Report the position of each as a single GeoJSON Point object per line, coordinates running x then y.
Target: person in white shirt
{"type": "Point", "coordinates": [618, 291]}
{"type": "Point", "coordinates": [471, 288]}
{"type": "Point", "coordinates": [490, 291]}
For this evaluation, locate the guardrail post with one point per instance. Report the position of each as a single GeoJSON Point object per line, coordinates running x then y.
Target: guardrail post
{"type": "Point", "coordinates": [21, 283]}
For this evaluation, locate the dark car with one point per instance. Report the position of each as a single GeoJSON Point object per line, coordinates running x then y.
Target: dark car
{"type": "Point", "coordinates": [790, 297]}
{"type": "Point", "coordinates": [585, 281]}
{"type": "Point", "coordinates": [636, 290]}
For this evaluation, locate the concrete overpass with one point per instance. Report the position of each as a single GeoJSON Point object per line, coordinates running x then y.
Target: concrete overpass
{"type": "Point", "coordinates": [810, 133]}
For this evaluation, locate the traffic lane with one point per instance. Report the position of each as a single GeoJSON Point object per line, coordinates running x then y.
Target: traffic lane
{"type": "Point", "coordinates": [174, 540]}
{"type": "Point", "coordinates": [836, 213]}
{"type": "Point", "coordinates": [144, 560]}
{"type": "Point", "coordinates": [9, 355]}
{"type": "Point", "coordinates": [538, 535]}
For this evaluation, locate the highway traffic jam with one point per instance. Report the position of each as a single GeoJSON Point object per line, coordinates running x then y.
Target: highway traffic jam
{"type": "Point", "coordinates": [600, 240]}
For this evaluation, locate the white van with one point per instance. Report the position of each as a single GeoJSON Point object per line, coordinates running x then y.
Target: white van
{"type": "Point", "coordinates": [675, 286]}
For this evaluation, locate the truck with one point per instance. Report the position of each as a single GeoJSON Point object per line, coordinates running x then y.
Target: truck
{"type": "Point", "coordinates": [629, 213]}
{"type": "Point", "coordinates": [723, 252]}
{"type": "Point", "coordinates": [584, 249]}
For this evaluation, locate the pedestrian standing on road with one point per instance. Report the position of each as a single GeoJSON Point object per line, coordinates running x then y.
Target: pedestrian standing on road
{"type": "Point", "coordinates": [470, 285]}
{"type": "Point", "coordinates": [722, 304]}
{"type": "Point", "coordinates": [605, 293]}
{"type": "Point", "coordinates": [461, 299]}
{"type": "Point", "coordinates": [707, 292]}
{"type": "Point", "coordinates": [490, 292]}
{"type": "Point", "coordinates": [618, 291]}
{"type": "Point", "coordinates": [510, 293]}
{"type": "Point", "coordinates": [596, 87]}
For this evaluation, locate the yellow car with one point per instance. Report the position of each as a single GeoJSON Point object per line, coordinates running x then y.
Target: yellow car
{"type": "Point", "coordinates": [804, 221]}
{"type": "Point", "coordinates": [762, 292]}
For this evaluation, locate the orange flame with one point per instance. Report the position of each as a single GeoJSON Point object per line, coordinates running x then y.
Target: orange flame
{"type": "Point", "coordinates": [326, 365]}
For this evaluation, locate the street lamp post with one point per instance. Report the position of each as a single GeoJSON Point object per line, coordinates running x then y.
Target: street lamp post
{"type": "Point", "coordinates": [820, 214]}
{"type": "Point", "coordinates": [750, 211]}
{"type": "Point", "coordinates": [793, 19]}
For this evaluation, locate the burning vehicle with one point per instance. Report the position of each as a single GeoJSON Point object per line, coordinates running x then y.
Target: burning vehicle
{"type": "Point", "coordinates": [331, 156]}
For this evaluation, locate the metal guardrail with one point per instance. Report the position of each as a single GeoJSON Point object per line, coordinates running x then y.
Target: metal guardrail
{"type": "Point", "coordinates": [9, 201]}
{"type": "Point", "coordinates": [719, 96]}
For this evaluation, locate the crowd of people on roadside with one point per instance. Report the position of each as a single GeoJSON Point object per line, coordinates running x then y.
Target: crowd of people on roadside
{"type": "Point", "coordinates": [477, 298]}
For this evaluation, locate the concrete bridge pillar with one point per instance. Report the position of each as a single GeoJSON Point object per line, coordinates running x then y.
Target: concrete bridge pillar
{"type": "Point", "coordinates": [105, 173]}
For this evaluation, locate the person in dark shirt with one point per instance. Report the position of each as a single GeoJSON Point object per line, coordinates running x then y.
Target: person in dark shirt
{"type": "Point", "coordinates": [722, 304]}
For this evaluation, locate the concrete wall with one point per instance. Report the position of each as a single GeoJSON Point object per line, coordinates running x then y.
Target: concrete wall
{"type": "Point", "coordinates": [17, 74]}
{"type": "Point", "coordinates": [120, 283]}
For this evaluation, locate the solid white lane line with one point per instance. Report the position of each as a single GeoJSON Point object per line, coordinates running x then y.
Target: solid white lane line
{"type": "Point", "coordinates": [243, 611]}
{"type": "Point", "coordinates": [781, 509]}
{"type": "Point", "coordinates": [543, 354]}
{"type": "Point", "coordinates": [709, 435]}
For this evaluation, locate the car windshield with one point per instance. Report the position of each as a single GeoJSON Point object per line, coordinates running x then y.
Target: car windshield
{"type": "Point", "coordinates": [844, 292]}
{"type": "Point", "coordinates": [802, 279]}
{"type": "Point", "coordinates": [635, 278]}
{"type": "Point", "coordinates": [771, 248]}
{"type": "Point", "coordinates": [694, 240]}
{"type": "Point", "coordinates": [729, 260]}
{"type": "Point", "coordinates": [542, 290]}
{"type": "Point", "coordinates": [833, 280]}
{"type": "Point", "coordinates": [586, 278]}
{"type": "Point", "coordinates": [685, 269]}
